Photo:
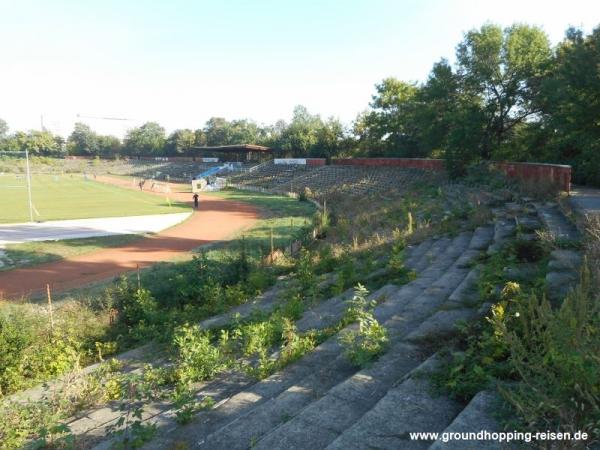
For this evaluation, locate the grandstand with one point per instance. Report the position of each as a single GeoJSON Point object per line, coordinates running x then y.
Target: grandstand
{"type": "Point", "coordinates": [269, 175]}
{"type": "Point", "coordinates": [323, 181]}
{"type": "Point", "coordinates": [318, 180]}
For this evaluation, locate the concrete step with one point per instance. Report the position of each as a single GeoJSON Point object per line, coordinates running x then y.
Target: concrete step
{"type": "Point", "coordinates": [557, 223]}
{"type": "Point", "coordinates": [408, 407]}
{"type": "Point", "coordinates": [265, 303]}
{"type": "Point", "coordinates": [246, 425]}
{"type": "Point", "coordinates": [437, 248]}
{"type": "Point", "coordinates": [320, 422]}
{"type": "Point", "coordinates": [331, 311]}
{"type": "Point", "coordinates": [504, 229]}
{"type": "Point", "coordinates": [466, 293]}
{"type": "Point", "coordinates": [245, 400]}
{"type": "Point", "coordinates": [482, 237]}
{"type": "Point", "coordinates": [246, 429]}
{"type": "Point", "coordinates": [476, 417]}
{"type": "Point", "coordinates": [323, 420]}
{"type": "Point", "coordinates": [322, 386]}
{"type": "Point", "coordinates": [415, 253]}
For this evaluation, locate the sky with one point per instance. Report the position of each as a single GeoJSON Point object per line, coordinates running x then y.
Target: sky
{"type": "Point", "coordinates": [181, 62]}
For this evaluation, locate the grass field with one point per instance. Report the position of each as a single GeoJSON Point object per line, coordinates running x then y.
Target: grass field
{"type": "Point", "coordinates": [72, 197]}
{"type": "Point", "coordinates": [279, 215]}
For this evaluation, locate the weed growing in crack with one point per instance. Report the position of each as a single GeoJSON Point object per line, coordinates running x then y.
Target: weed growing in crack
{"type": "Point", "coordinates": [365, 344]}
{"type": "Point", "coordinates": [130, 430]}
{"type": "Point", "coordinates": [186, 404]}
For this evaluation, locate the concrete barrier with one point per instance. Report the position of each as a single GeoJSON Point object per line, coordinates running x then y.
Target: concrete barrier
{"type": "Point", "coordinates": [556, 174]}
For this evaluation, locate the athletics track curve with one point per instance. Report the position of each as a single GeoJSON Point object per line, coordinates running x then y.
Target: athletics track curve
{"type": "Point", "coordinates": [216, 220]}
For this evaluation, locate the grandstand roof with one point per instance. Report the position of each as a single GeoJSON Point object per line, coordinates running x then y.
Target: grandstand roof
{"type": "Point", "coordinates": [235, 148]}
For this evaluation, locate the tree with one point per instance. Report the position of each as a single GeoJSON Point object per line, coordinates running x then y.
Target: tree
{"type": "Point", "coordinates": [41, 143]}
{"type": "Point", "coordinates": [199, 137]}
{"type": "Point", "coordinates": [83, 141]}
{"type": "Point", "coordinates": [244, 132]}
{"type": "Point", "coordinates": [180, 142]}
{"type": "Point", "coordinates": [570, 102]}
{"type": "Point", "coordinates": [332, 140]}
{"type": "Point", "coordinates": [109, 145]}
{"type": "Point", "coordinates": [217, 131]}
{"type": "Point", "coordinates": [3, 129]}
{"type": "Point", "coordinates": [300, 136]}
{"type": "Point", "coordinates": [149, 139]}
{"type": "Point", "coordinates": [437, 102]}
{"type": "Point", "coordinates": [505, 69]}
{"type": "Point", "coordinates": [389, 129]}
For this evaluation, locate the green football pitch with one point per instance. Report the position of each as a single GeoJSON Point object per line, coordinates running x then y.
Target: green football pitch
{"type": "Point", "coordinates": [71, 196]}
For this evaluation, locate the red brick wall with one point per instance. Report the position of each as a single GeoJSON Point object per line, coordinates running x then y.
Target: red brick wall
{"type": "Point", "coordinates": [552, 173]}
{"type": "Point", "coordinates": [315, 161]}
{"type": "Point", "coordinates": [408, 163]}
{"type": "Point", "coordinates": [536, 172]}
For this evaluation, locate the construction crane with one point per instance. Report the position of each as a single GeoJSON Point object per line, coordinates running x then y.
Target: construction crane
{"type": "Point", "coordinates": [100, 118]}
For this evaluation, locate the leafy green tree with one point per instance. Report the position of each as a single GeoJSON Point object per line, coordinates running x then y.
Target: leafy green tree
{"type": "Point", "coordinates": [437, 102]}
{"type": "Point", "coordinates": [83, 141]}
{"type": "Point", "coordinates": [504, 68]}
{"type": "Point", "coordinates": [300, 136]}
{"type": "Point", "coordinates": [42, 143]}
{"type": "Point", "coordinates": [109, 145]}
{"type": "Point", "coordinates": [3, 129]}
{"type": "Point", "coordinates": [307, 135]}
{"type": "Point", "coordinates": [389, 128]}
{"type": "Point", "coordinates": [199, 137]}
{"type": "Point", "coordinates": [180, 141]}
{"type": "Point", "coordinates": [217, 131]}
{"type": "Point", "coordinates": [332, 140]}
{"type": "Point", "coordinates": [245, 132]}
{"type": "Point", "coordinates": [570, 102]}
{"type": "Point", "coordinates": [149, 139]}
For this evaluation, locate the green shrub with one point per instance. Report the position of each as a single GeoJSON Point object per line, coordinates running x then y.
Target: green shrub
{"type": "Point", "coordinates": [30, 350]}
{"type": "Point", "coordinates": [304, 194]}
{"type": "Point", "coordinates": [555, 353]}
{"type": "Point", "coordinates": [130, 429]}
{"type": "Point", "coordinates": [364, 345]}
{"type": "Point", "coordinates": [259, 280]}
{"type": "Point", "coordinates": [294, 345]}
{"type": "Point", "coordinates": [198, 358]}
{"type": "Point", "coordinates": [359, 305]}
{"type": "Point", "coordinates": [16, 336]}
{"type": "Point", "coordinates": [396, 261]}
{"type": "Point", "coordinates": [135, 304]}
{"type": "Point", "coordinates": [484, 360]}
{"type": "Point", "coordinates": [305, 274]}
{"type": "Point", "coordinates": [186, 405]}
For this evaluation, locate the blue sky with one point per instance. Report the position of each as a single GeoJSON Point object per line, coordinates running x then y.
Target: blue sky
{"type": "Point", "coordinates": [180, 62]}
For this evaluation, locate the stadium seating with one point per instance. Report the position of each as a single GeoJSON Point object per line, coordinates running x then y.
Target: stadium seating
{"type": "Point", "coordinates": [326, 180]}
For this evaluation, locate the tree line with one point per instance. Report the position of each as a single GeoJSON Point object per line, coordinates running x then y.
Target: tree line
{"type": "Point", "coordinates": [510, 95]}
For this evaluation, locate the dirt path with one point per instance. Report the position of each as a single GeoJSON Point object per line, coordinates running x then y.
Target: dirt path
{"type": "Point", "coordinates": [216, 220]}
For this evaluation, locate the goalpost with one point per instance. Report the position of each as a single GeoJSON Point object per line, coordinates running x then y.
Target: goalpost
{"type": "Point", "coordinates": [27, 177]}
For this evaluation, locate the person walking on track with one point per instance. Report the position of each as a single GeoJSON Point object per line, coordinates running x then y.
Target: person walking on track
{"type": "Point", "coordinates": [196, 197]}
